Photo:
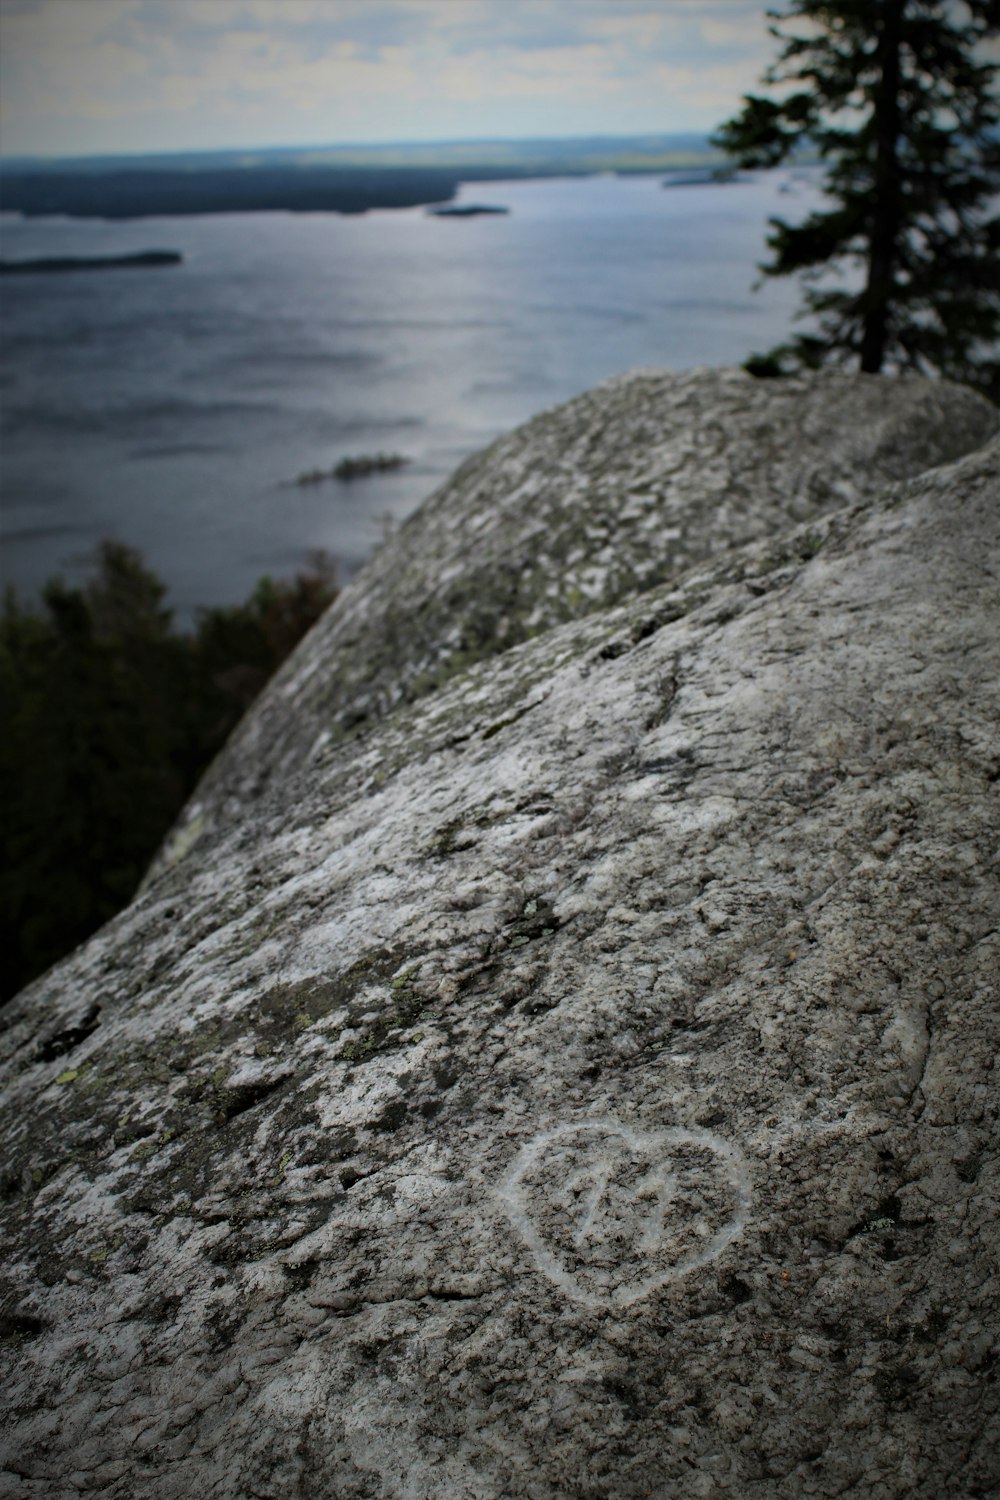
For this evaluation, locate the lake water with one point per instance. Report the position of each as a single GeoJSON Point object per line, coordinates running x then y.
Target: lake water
{"type": "Point", "coordinates": [172, 408]}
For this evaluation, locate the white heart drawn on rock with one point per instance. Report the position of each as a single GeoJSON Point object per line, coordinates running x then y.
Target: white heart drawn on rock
{"type": "Point", "coordinates": [610, 1213]}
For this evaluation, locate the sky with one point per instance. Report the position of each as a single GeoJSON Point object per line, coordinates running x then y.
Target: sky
{"type": "Point", "coordinates": [89, 77]}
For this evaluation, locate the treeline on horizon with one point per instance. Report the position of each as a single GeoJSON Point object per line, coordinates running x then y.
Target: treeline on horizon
{"type": "Point", "coordinates": [339, 180]}
{"type": "Point", "coordinates": [137, 193]}
{"type": "Point", "coordinates": [111, 714]}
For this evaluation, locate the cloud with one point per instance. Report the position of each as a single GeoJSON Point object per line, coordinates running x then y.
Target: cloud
{"type": "Point", "coordinates": [733, 30]}
{"type": "Point", "coordinates": [98, 75]}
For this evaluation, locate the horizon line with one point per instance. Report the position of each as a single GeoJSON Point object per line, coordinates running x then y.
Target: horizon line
{"type": "Point", "coordinates": [257, 150]}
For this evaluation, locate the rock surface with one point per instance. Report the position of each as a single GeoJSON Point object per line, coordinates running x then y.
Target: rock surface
{"type": "Point", "coordinates": [579, 1083]}
{"type": "Point", "coordinates": [621, 489]}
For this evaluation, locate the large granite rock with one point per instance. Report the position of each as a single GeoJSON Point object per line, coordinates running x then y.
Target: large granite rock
{"type": "Point", "coordinates": [586, 505]}
{"type": "Point", "coordinates": [578, 1084]}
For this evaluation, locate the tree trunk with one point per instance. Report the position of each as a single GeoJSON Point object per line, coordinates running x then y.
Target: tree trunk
{"type": "Point", "coordinates": [886, 195]}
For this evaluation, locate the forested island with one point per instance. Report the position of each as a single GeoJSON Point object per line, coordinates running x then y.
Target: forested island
{"type": "Point", "coordinates": [49, 264]}
{"type": "Point", "coordinates": [355, 468]}
{"type": "Point", "coordinates": [467, 210]}
{"type": "Point", "coordinates": [701, 177]}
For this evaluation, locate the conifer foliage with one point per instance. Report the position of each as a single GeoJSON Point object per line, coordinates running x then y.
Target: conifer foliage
{"type": "Point", "coordinates": [899, 98]}
{"type": "Point", "coordinates": [110, 716]}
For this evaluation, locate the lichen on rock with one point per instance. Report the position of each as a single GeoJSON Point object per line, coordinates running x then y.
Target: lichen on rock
{"type": "Point", "coordinates": [576, 1080]}
{"type": "Point", "coordinates": [623, 488]}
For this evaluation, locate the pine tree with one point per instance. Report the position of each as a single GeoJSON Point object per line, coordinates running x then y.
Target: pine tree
{"type": "Point", "coordinates": [899, 99]}
{"type": "Point", "coordinates": [110, 715]}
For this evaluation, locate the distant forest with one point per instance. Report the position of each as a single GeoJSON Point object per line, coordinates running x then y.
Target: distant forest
{"type": "Point", "coordinates": [347, 180]}
{"type": "Point", "coordinates": [110, 716]}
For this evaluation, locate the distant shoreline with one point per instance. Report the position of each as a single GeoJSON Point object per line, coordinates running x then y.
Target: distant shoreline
{"type": "Point", "coordinates": [140, 194]}
{"type": "Point", "coordinates": [338, 180]}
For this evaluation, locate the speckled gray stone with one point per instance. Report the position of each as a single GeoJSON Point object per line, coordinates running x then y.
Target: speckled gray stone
{"type": "Point", "coordinates": [579, 1083]}
{"type": "Point", "coordinates": [621, 489]}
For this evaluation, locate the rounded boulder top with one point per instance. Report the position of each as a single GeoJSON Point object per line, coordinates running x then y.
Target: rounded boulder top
{"type": "Point", "coordinates": [573, 1081]}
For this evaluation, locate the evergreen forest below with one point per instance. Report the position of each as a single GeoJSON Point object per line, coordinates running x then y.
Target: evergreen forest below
{"type": "Point", "coordinates": [111, 713]}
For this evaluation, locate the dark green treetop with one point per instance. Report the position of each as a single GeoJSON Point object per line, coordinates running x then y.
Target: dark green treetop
{"type": "Point", "coordinates": [110, 714]}
{"type": "Point", "coordinates": [899, 98]}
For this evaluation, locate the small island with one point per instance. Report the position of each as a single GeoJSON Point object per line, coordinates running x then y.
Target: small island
{"type": "Point", "coordinates": [49, 264]}
{"type": "Point", "coordinates": [355, 468]}
{"type": "Point", "coordinates": [701, 177]}
{"type": "Point", "coordinates": [467, 210]}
